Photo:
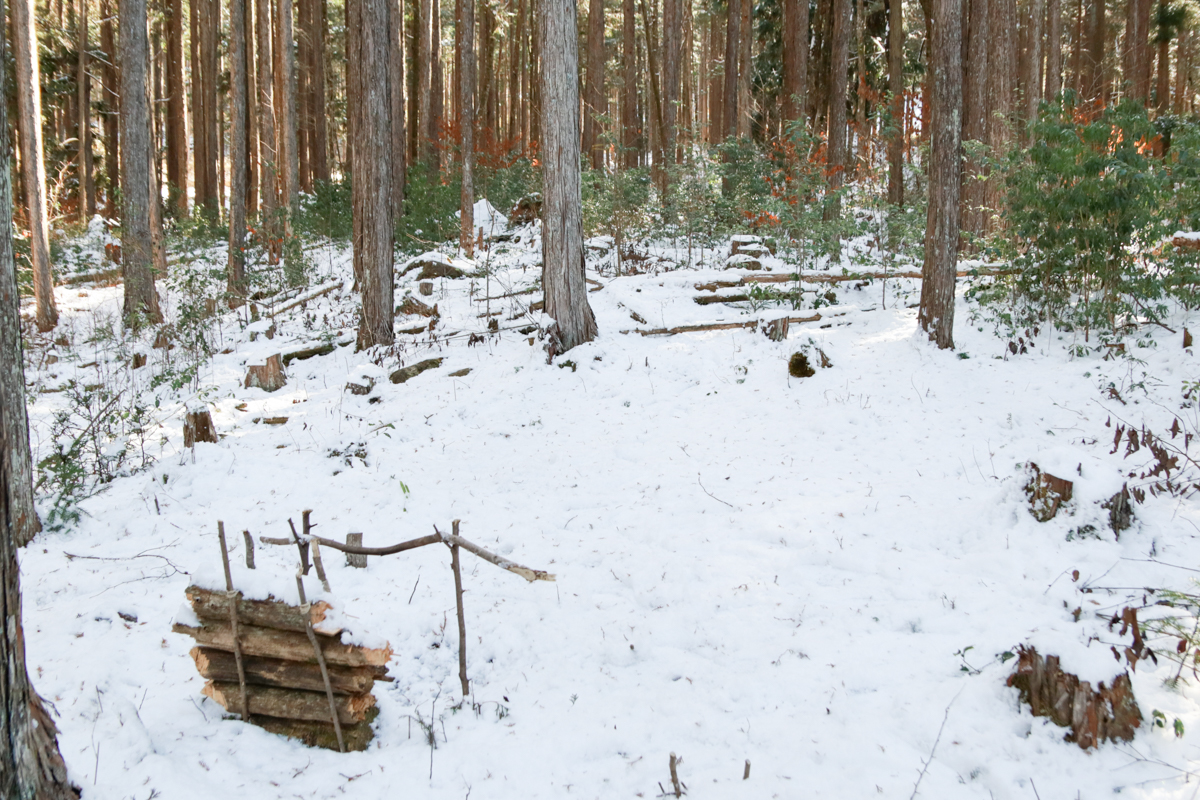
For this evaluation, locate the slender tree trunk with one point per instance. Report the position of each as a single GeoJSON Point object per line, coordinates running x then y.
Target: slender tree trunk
{"type": "Point", "coordinates": [304, 20]}
{"type": "Point", "coordinates": [320, 133]}
{"type": "Point", "coordinates": [465, 46]}
{"type": "Point", "coordinates": [1144, 53]}
{"type": "Point", "coordinates": [1163, 90]}
{"type": "Point", "coordinates": [373, 169]}
{"type": "Point", "coordinates": [196, 82]}
{"type": "Point", "coordinates": [795, 58]}
{"type": "Point", "coordinates": [289, 155]}
{"type": "Point", "coordinates": [1031, 64]}
{"type": "Point", "coordinates": [745, 107]}
{"type": "Point", "coordinates": [268, 176]}
{"type": "Point", "coordinates": [87, 186]}
{"type": "Point", "coordinates": [975, 115]}
{"type": "Point", "coordinates": [672, 46]}
{"type": "Point", "coordinates": [1095, 81]}
{"type": "Point", "coordinates": [110, 106]}
{"type": "Point", "coordinates": [839, 64]}
{"type": "Point", "coordinates": [137, 162]}
{"type": "Point", "coordinates": [629, 88]}
{"type": "Point", "coordinates": [1181, 69]}
{"type": "Point", "coordinates": [1002, 68]}
{"type": "Point", "coordinates": [594, 105]}
{"type": "Point", "coordinates": [437, 104]}
{"type": "Point", "coordinates": [238, 141]}
{"type": "Point", "coordinates": [733, 48]}
{"type": "Point", "coordinates": [945, 164]}
{"type": "Point", "coordinates": [1054, 50]}
{"type": "Point", "coordinates": [399, 136]}
{"type": "Point", "coordinates": [535, 66]}
{"type": "Point", "coordinates": [716, 115]}
{"type": "Point", "coordinates": [177, 146]}
{"type": "Point", "coordinates": [896, 103]}
{"type": "Point", "coordinates": [562, 233]}
{"type": "Point", "coordinates": [425, 80]}
{"type": "Point", "coordinates": [29, 105]}
{"type": "Point", "coordinates": [210, 52]}
{"type": "Point", "coordinates": [252, 171]}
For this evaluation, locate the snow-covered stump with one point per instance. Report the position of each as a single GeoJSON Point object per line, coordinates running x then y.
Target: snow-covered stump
{"type": "Point", "coordinates": [1047, 493]}
{"type": "Point", "coordinates": [269, 377]}
{"type": "Point", "coordinates": [1093, 715]}
{"type": "Point", "coordinates": [198, 427]}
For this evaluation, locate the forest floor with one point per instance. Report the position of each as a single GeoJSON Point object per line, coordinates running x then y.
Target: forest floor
{"type": "Point", "coordinates": [819, 576]}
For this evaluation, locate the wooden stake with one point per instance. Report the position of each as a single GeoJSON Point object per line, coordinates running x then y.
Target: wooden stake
{"type": "Point", "coordinates": [354, 559]}
{"type": "Point", "coordinates": [316, 556]}
{"type": "Point", "coordinates": [312, 637]}
{"type": "Point", "coordinates": [302, 546]}
{"type": "Point", "coordinates": [462, 621]}
{"type": "Point", "coordinates": [233, 620]}
{"type": "Point", "coordinates": [746, 774]}
{"type": "Point", "coordinates": [675, 776]}
{"type": "Point", "coordinates": [249, 540]}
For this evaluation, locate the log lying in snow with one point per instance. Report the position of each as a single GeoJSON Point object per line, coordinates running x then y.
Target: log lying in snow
{"type": "Point", "coordinates": [287, 645]}
{"type": "Point", "coordinates": [1094, 715]}
{"type": "Point", "coordinates": [291, 703]}
{"type": "Point", "coordinates": [210, 605]}
{"type": "Point", "coordinates": [718, 326]}
{"type": "Point", "coordinates": [302, 299]}
{"type": "Point", "coordinates": [818, 277]}
{"type": "Point", "coordinates": [321, 734]}
{"type": "Point", "coordinates": [407, 373]}
{"type": "Point", "coordinates": [220, 666]}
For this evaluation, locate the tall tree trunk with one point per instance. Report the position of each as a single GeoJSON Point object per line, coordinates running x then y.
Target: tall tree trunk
{"type": "Point", "coordinates": [289, 155]}
{"type": "Point", "coordinates": [733, 49]}
{"type": "Point", "coordinates": [464, 30]}
{"type": "Point", "coordinates": [1002, 68]}
{"type": "Point", "coordinates": [1163, 90]}
{"type": "Point", "coordinates": [1031, 63]}
{"type": "Point", "coordinates": [672, 46]}
{"type": "Point", "coordinates": [137, 165]}
{"type": "Point", "coordinates": [425, 80]}
{"type": "Point", "coordinates": [535, 66]}
{"type": "Point", "coordinates": [399, 136]}
{"type": "Point", "coordinates": [110, 106]}
{"type": "Point", "coordinates": [795, 58]}
{"type": "Point", "coordinates": [320, 142]}
{"type": "Point", "coordinates": [1181, 69]}
{"type": "Point", "coordinates": [593, 103]}
{"type": "Point", "coordinates": [1095, 81]}
{"type": "Point", "coordinates": [30, 763]}
{"type": "Point", "coordinates": [373, 169]}
{"type": "Point", "coordinates": [629, 88]}
{"type": "Point", "coordinates": [562, 234]}
{"type": "Point", "coordinates": [238, 145]}
{"type": "Point", "coordinates": [211, 53]}
{"type": "Point", "coordinates": [177, 145]}
{"type": "Point", "coordinates": [745, 107]}
{"type": "Point", "coordinates": [304, 21]}
{"type": "Point", "coordinates": [839, 59]}
{"type": "Point", "coordinates": [437, 100]}
{"type": "Point", "coordinates": [196, 66]}
{"type": "Point", "coordinates": [975, 115]}
{"type": "Point", "coordinates": [945, 164]}
{"type": "Point", "coordinates": [1054, 50]}
{"type": "Point", "coordinates": [268, 172]}
{"type": "Point", "coordinates": [87, 186]}
{"type": "Point", "coordinates": [1144, 53]}
{"type": "Point", "coordinates": [716, 83]}
{"type": "Point", "coordinates": [895, 48]}
{"type": "Point", "coordinates": [252, 172]}
{"type": "Point", "coordinates": [29, 109]}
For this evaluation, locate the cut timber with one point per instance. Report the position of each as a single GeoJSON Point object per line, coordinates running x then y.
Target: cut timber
{"type": "Point", "coordinates": [322, 349]}
{"type": "Point", "coordinates": [269, 377]}
{"type": "Point", "coordinates": [321, 734]}
{"type": "Point", "coordinates": [777, 329]}
{"type": "Point", "coordinates": [414, 307]}
{"type": "Point", "coordinates": [717, 326]}
{"type": "Point", "coordinates": [1047, 493]}
{"type": "Point", "coordinates": [824, 278]}
{"type": "Point", "coordinates": [198, 427]}
{"type": "Point", "coordinates": [210, 605]}
{"type": "Point", "coordinates": [217, 665]}
{"type": "Point", "coordinates": [1186, 240]}
{"type": "Point", "coordinates": [291, 703]}
{"type": "Point", "coordinates": [407, 373]}
{"type": "Point", "coordinates": [288, 645]}
{"type": "Point", "coordinates": [707, 300]}
{"type": "Point", "coordinates": [743, 261]}
{"type": "Point", "coordinates": [1093, 715]}
{"type": "Point", "coordinates": [304, 298]}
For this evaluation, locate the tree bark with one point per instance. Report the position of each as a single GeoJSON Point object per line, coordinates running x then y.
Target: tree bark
{"type": "Point", "coordinates": [268, 192]}
{"type": "Point", "coordinates": [110, 108]}
{"type": "Point", "coordinates": [629, 90]}
{"type": "Point", "coordinates": [1095, 81]}
{"type": "Point", "coordinates": [1181, 69]}
{"type": "Point", "coordinates": [594, 102]}
{"type": "Point", "coordinates": [399, 134]}
{"type": "Point", "coordinates": [238, 113]}
{"type": "Point", "coordinates": [437, 100]}
{"type": "Point", "coordinates": [319, 145]}
{"type": "Point", "coordinates": [975, 115]}
{"type": "Point", "coordinates": [672, 46]}
{"type": "Point", "coordinates": [839, 59]}
{"type": "Point", "coordinates": [289, 155]}
{"type": "Point", "coordinates": [795, 59]}
{"type": "Point", "coordinates": [733, 48]}
{"type": "Point", "coordinates": [562, 238]}
{"type": "Point", "coordinates": [177, 145]}
{"type": "Point", "coordinates": [210, 57]}
{"type": "Point", "coordinates": [372, 184]}
{"type": "Point", "coordinates": [1002, 68]}
{"type": "Point", "coordinates": [87, 186]}
{"type": "Point", "coordinates": [1163, 90]}
{"type": "Point", "coordinates": [1054, 50]}
{"type": "Point", "coordinates": [941, 230]}
{"type": "Point", "coordinates": [1031, 61]}
{"type": "Point", "coordinates": [218, 665]}
{"type": "Point", "coordinates": [745, 118]}
{"type": "Point", "coordinates": [137, 166]}
{"type": "Point", "coordinates": [33, 164]}
{"type": "Point", "coordinates": [895, 47]}
{"type": "Point", "coordinates": [465, 46]}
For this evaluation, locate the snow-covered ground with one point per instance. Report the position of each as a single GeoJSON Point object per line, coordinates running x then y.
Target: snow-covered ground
{"type": "Point", "coordinates": [750, 567]}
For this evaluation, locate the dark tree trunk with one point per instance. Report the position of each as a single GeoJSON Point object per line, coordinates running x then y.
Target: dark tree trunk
{"type": "Point", "coordinates": [1163, 90]}
{"type": "Point", "coordinates": [594, 102]}
{"type": "Point", "coordinates": [372, 184]}
{"type": "Point", "coordinates": [795, 59]}
{"type": "Point", "coordinates": [945, 166]}
{"type": "Point", "coordinates": [733, 50]}
{"type": "Point", "coordinates": [304, 21]}
{"type": "Point", "coordinates": [562, 237]}
{"type": "Point", "coordinates": [1181, 69]}
{"type": "Point", "coordinates": [29, 109]}
{"type": "Point", "coordinates": [210, 56]}
{"type": "Point", "coordinates": [465, 46]}
{"type": "Point", "coordinates": [896, 89]}
{"type": "Point", "coordinates": [839, 60]}
{"type": "Point", "coordinates": [438, 91]}
{"type": "Point", "coordinates": [140, 214]}
{"type": "Point", "coordinates": [1054, 50]}
{"type": "Point", "coordinates": [672, 45]}
{"type": "Point", "coordinates": [87, 186]}
{"type": "Point", "coordinates": [1002, 68]}
{"type": "Point", "coordinates": [319, 145]}
{"type": "Point", "coordinates": [716, 39]}
{"type": "Point", "coordinates": [110, 108]}
{"type": "Point", "coordinates": [424, 80]}
{"type": "Point", "coordinates": [629, 89]}
{"type": "Point", "coordinates": [745, 105]}
{"type": "Point", "coordinates": [1095, 81]}
{"type": "Point", "coordinates": [975, 114]}
{"type": "Point", "coordinates": [238, 185]}
{"type": "Point", "coordinates": [289, 155]}
{"type": "Point", "coordinates": [177, 145]}
{"type": "Point", "coordinates": [268, 171]}
{"type": "Point", "coordinates": [399, 135]}
{"type": "Point", "coordinates": [1031, 60]}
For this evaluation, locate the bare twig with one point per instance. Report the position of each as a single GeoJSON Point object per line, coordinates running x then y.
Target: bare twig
{"type": "Point", "coordinates": [710, 494]}
{"type": "Point", "coordinates": [462, 621]}
{"type": "Point", "coordinates": [933, 749]}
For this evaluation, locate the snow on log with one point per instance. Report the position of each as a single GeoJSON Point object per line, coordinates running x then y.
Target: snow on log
{"type": "Point", "coordinates": [1047, 493]}
{"type": "Point", "coordinates": [288, 645]}
{"type": "Point", "coordinates": [213, 605]}
{"type": "Point", "coordinates": [220, 666]}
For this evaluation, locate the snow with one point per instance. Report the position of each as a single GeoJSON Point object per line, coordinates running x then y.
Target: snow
{"type": "Point", "coordinates": [749, 566]}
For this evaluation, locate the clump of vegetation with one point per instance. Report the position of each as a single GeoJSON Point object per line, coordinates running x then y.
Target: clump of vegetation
{"type": "Point", "coordinates": [798, 366]}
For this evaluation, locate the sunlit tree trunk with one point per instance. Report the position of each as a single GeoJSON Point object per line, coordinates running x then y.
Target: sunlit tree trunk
{"type": "Point", "coordinates": [87, 186]}
{"type": "Point", "coordinates": [839, 60]}
{"type": "Point", "coordinates": [238, 185]}
{"type": "Point", "coordinates": [465, 50]}
{"type": "Point", "coordinates": [795, 58]}
{"type": "Point", "coordinates": [594, 100]}
{"type": "Point", "coordinates": [895, 49]}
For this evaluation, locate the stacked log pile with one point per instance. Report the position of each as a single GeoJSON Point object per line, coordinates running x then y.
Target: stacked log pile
{"type": "Point", "coordinates": [286, 691]}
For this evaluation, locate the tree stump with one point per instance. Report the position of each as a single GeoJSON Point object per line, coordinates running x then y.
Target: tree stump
{"type": "Point", "coordinates": [777, 329]}
{"type": "Point", "coordinates": [426, 288]}
{"type": "Point", "coordinates": [414, 307]}
{"type": "Point", "coordinates": [1093, 715]}
{"type": "Point", "coordinates": [269, 377]}
{"type": "Point", "coordinates": [139, 360]}
{"type": "Point", "coordinates": [356, 560]}
{"type": "Point", "coordinates": [1047, 493]}
{"type": "Point", "coordinates": [198, 427]}
{"type": "Point", "coordinates": [526, 210]}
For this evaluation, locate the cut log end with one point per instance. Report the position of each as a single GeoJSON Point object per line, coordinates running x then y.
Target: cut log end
{"type": "Point", "coordinates": [198, 427]}
{"type": "Point", "coordinates": [269, 377]}
{"type": "Point", "coordinates": [321, 734]}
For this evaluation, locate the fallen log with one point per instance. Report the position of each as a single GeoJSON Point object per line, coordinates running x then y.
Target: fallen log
{"type": "Point", "coordinates": [211, 605]}
{"type": "Point", "coordinates": [290, 703]}
{"type": "Point", "coordinates": [407, 373]}
{"type": "Point", "coordinates": [818, 277]}
{"type": "Point", "coordinates": [302, 299]}
{"type": "Point", "coordinates": [220, 666]}
{"type": "Point", "coordinates": [321, 734]}
{"type": "Point", "coordinates": [706, 300]}
{"type": "Point", "coordinates": [304, 353]}
{"type": "Point", "coordinates": [717, 326]}
{"type": "Point", "coordinates": [286, 645]}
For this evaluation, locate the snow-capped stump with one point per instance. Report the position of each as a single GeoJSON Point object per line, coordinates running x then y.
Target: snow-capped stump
{"type": "Point", "coordinates": [162, 339]}
{"type": "Point", "coordinates": [777, 329]}
{"type": "Point", "coordinates": [415, 308]}
{"type": "Point", "coordinates": [269, 377]}
{"type": "Point", "coordinates": [743, 261]}
{"type": "Point", "coordinates": [1047, 493]}
{"type": "Point", "coordinates": [526, 210]}
{"type": "Point", "coordinates": [426, 288]}
{"type": "Point", "coordinates": [263, 327]}
{"type": "Point", "coordinates": [139, 361]}
{"type": "Point", "coordinates": [1186, 239]}
{"type": "Point", "coordinates": [1120, 511]}
{"type": "Point", "coordinates": [360, 389]}
{"type": "Point", "coordinates": [749, 244]}
{"type": "Point", "coordinates": [407, 373]}
{"type": "Point", "coordinates": [1108, 712]}
{"type": "Point", "coordinates": [198, 427]}
{"type": "Point", "coordinates": [432, 265]}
